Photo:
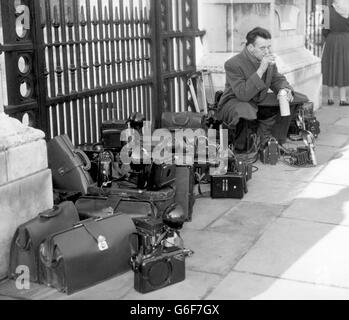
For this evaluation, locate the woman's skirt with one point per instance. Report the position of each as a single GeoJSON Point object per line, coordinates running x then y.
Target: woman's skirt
{"type": "Point", "coordinates": [335, 60]}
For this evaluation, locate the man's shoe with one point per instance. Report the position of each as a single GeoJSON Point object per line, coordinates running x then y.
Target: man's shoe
{"type": "Point", "coordinates": [343, 103]}
{"type": "Point", "coordinates": [330, 102]}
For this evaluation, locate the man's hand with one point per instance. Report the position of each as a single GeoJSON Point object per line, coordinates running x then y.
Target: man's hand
{"type": "Point", "coordinates": [290, 97]}
{"type": "Point", "coordinates": [266, 61]}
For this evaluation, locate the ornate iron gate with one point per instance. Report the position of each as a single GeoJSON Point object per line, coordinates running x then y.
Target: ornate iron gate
{"type": "Point", "coordinates": [81, 62]}
{"type": "Point", "coordinates": [314, 24]}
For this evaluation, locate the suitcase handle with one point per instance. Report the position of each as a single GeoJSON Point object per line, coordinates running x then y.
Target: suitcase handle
{"type": "Point", "coordinates": [177, 116]}
{"type": "Point", "coordinates": [84, 158]}
{"type": "Point", "coordinates": [50, 213]}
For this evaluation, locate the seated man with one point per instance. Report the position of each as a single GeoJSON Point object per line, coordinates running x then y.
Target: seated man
{"type": "Point", "coordinates": [249, 76]}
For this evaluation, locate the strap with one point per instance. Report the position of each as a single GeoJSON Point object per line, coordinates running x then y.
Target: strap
{"type": "Point", "coordinates": [113, 202]}
{"type": "Point", "coordinates": [93, 229]}
{"type": "Point", "coordinates": [86, 161]}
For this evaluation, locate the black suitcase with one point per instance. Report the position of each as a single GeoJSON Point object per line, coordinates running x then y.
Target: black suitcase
{"type": "Point", "coordinates": [98, 206]}
{"type": "Point", "coordinates": [70, 166]}
{"type": "Point", "coordinates": [28, 237]}
{"type": "Point", "coordinates": [161, 199]}
{"type": "Point", "coordinates": [185, 181]}
{"type": "Point", "coordinates": [231, 186]}
{"type": "Point", "coordinates": [87, 254]}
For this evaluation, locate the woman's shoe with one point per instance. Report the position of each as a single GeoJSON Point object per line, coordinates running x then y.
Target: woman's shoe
{"type": "Point", "coordinates": [330, 102]}
{"type": "Point", "coordinates": [343, 103]}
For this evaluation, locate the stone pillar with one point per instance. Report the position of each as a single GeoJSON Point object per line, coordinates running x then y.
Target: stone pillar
{"type": "Point", "coordinates": [25, 180]}
{"type": "Point", "coordinates": [227, 22]}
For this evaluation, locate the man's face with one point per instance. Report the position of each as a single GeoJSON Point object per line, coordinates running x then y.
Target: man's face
{"type": "Point", "coordinates": [260, 48]}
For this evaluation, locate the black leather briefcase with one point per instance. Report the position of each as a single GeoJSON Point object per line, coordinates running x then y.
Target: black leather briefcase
{"type": "Point", "coordinates": [28, 237]}
{"type": "Point", "coordinates": [87, 254]}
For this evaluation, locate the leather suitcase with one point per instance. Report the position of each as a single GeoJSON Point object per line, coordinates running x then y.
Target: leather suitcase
{"type": "Point", "coordinates": [97, 206]}
{"type": "Point", "coordinates": [69, 165]}
{"type": "Point", "coordinates": [87, 254]}
{"type": "Point", "coordinates": [185, 180]}
{"type": "Point", "coordinates": [28, 237]}
{"type": "Point", "coordinates": [161, 199]}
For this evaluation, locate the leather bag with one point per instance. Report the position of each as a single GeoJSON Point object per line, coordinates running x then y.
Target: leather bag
{"type": "Point", "coordinates": [182, 120]}
{"type": "Point", "coordinates": [28, 237]}
{"type": "Point", "coordinates": [70, 166]}
{"type": "Point", "coordinates": [162, 199]}
{"type": "Point", "coordinates": [97, 206]}
{"type": "Point", "coordinates": [87, 254]}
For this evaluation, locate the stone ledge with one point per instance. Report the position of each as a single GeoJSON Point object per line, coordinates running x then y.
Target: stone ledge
{"type": "Point", "coordinates": [21, 201]}
{"type": "Point", "coordinates": [13, 133]}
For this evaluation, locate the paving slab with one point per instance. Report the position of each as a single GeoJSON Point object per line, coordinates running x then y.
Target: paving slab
{"type": "Point", "coordinates": [301, 250]}
{"type": "Point", "coordinates": [207, 210]}
{"type": "Point", "coordinates": [342, 153]}
{"type": "Point", "coordinates": [244, 286]}
{"type": "Point", "coordinates": [195, 286]}
{"type": "Point", "coordinates": [336, 172]}
{"type": "Point", "coordinates": [332, 139]}
{"type": "Point", "coordinates": [215, 252]}
{"type": "Point", "coordinates": [321, 202]}
{"type": "Point", "coordinates": [328, 115]}
{"type": "Point", "coordinates": [112, 289]}
{"type": "Point", "coordinates": [268, 189]}
{"type": "Point", "coordinates": [342, 122]}
{"type": "Point", "coordinates": [247, 217]}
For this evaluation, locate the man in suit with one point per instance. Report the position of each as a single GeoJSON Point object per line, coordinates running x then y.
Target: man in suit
{"type": "Point", "coordinates": [249, 76]}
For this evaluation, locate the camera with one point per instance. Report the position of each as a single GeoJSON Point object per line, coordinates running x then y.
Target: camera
{"type": "Point", "coordinates": [158, 255]}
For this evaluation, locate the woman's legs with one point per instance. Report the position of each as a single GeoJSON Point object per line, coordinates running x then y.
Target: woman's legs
{"type": "Point", "coordinates": [330, 95]}
{"type": "Point", "coordinates": [342, 93]}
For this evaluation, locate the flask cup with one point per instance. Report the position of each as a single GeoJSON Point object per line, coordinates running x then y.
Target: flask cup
{"type": "Point", "coordinates": [284, 104]}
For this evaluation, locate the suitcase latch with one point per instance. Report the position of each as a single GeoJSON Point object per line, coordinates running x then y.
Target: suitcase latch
{"type": "Point", "coordinates": [102, 243]}
{"type": "Point", "coordinates": [61, 171]}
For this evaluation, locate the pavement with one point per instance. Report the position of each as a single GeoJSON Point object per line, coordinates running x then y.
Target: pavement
{"type": "Point", "coordinates": [286, 239]}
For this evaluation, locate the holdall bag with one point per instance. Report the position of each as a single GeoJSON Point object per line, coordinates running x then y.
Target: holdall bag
{"type": "Point", "coordinates": [91, 252]}
{"type": "Point", "coordinates": [69, 165]}
{"type": "Point", "coordinates": [161, 199]}
{"type": "Point", "coordinates": [185, 180]}
{"type": "Point", "coordinates": [28, 237]}
{"type": "Point", "coordinates": [97, 206]}
{"type": "Point", "coordinates": [182, 120]}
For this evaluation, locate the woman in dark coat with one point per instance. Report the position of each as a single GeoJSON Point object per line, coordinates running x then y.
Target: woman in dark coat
{"type": "Point", "coordinates": [335, 58]}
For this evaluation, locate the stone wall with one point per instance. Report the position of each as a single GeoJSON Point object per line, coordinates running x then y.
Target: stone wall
{"type": "Point", "coordinates": [25, 180]}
